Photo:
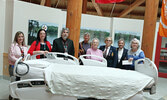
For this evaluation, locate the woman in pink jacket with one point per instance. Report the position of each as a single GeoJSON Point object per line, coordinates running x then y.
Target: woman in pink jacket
{"type": "Point", "coordinates": [17, 49]}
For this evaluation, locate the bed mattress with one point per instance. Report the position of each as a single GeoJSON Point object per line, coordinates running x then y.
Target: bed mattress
{"type": "Point", "coordinates": [97, 82]}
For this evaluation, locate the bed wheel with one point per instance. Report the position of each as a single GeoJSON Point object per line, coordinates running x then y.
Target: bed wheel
{"type": "Point", "coordinates": [153, 89]}
{"type": "Point", "coordinates": [10, 97]}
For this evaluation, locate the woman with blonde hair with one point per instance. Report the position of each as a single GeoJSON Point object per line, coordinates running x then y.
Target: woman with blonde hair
{"type": "Point", "coordinates": [17, 49]}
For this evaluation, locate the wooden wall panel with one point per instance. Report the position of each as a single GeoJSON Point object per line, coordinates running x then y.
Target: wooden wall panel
{"type": "Point", "coordinates": [5, 64]}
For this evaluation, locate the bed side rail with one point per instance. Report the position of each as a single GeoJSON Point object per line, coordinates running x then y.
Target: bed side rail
{"type": "Point", "coordinates": [65, 56]}
{"type": "Point", "coordinates": [148, 67]}
{"type": "Point", "coordinates": [92, 62]}
{"type": "Point", "coordinates": [24, 83]}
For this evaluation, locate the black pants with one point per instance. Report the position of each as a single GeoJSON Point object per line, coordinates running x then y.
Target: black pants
{"type": "Point", "coordinates": [11, 73]}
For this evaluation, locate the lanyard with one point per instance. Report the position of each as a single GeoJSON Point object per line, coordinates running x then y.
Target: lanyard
{"type": "Point", "coordinates": [22, 52]}
{"type": "Point", "coordinates": [65, 45]}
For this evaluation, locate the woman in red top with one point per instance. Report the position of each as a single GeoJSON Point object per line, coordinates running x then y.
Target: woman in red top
{"type": "Point", "coordinates": [41, 45]}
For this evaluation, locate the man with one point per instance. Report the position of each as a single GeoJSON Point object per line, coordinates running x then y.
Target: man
{"type": "Point", "coordinates": [63, 44]}
{"type": "Point", "coordinates": [122, 53]}
{"type": "Point", "coordinates": [109, 52]}
{"type": "Point", "coordinates": [84, 45]}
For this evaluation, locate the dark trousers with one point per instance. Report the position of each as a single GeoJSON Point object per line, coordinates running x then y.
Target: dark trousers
{"type": "Point", "coordinates": [11, 73]}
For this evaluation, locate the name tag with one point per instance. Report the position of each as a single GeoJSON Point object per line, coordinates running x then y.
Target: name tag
{"type": "Point", "coordinates": [126, 62]}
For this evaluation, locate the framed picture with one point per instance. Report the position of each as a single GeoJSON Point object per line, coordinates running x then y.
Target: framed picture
{"type": "Point", "coordinates": [95, 33]}
{"type": "Point", "coordinates": [35, 25]}
{"type": "Point", "coordinates": [127, 36]}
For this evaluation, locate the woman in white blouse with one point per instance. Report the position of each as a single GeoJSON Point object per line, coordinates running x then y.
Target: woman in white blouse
{"type": "Point", "coordinates": [17, 49]}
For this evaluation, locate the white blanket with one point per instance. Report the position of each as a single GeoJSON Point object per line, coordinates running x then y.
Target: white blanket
{"type": "Point", "coordinates": [97, 82]}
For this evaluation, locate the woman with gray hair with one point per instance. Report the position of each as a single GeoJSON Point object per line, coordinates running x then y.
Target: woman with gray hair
{"type": "Point", "coordinates": [135, 52]}
{"type": "Point", "coordinates": [94, 50]}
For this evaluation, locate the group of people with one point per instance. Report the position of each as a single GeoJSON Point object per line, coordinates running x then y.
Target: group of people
{"type": "Point", "coordinates": [40, 46]}
{"type": "Point", "coordinates": [113, 55]}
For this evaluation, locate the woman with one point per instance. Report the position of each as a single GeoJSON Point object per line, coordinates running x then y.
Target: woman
{"type": "Point", "coordinates": [135, 52]}
{"type": "Point", "coordinates": [122, 53]}
{"type": "Point", "coordinates": [41, 45]}
{"type": "Point", "coordinates": [17, 49]}
{"type": "Point", "coordinates": [94, 50]}
{"type": "Point", "coordinates": [109, 52]}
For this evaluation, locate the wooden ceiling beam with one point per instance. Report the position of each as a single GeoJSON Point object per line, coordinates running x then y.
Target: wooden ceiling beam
{"type": "Point", "coordinates": [48, 3]}
{"type": "Point", "coordinates": [43, 2]}
{"type": "Point", "coordinates": [106, 11]}
{"type": "Point", "coordinates": [115, 13]}
{"type": "Point", "coordinates": [84, 6]}
{"type": "Point", "coordinates": [97, 7]}
{"type": "Point", "coordinates": [56, 4]}
{"type": "Point", "coordinates": [130, 8]}
{"type": "Point", "coordinates": [125, 3]}
{"type": "Point", "coordinates": [106, 14]}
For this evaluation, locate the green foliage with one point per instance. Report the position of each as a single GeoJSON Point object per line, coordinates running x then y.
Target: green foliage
{"type": "Point", "coordinates": [101, 35]}
{"type": "Point", "coordinates": [125, 36]}
{"type": "Point", "coordinates": [52, 31]}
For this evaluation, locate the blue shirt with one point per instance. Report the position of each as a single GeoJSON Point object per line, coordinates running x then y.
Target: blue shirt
{"type": "Point", "coordinates": [139, 54]}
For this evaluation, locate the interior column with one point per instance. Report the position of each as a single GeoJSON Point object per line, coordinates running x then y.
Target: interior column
{"type": "Point", "coordinates": [150, 20]}
{"type": "Point", "coordinates": [74, 11]}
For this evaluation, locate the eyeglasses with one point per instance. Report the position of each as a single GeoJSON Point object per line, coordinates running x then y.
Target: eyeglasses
{"type": "Point", "coordinates": [108, 40]}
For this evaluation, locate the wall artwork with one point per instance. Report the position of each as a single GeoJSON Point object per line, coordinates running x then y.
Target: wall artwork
{"type": "Point", "coordinates": [35, 25]}
{"type": "Point", "coordinates": [95, 33]}
{"type": "Point", "coordinates": [127, 36]}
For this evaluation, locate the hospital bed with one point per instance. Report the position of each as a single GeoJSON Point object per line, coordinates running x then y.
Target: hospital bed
{"type": "Point", "coordinates": [37, 89]}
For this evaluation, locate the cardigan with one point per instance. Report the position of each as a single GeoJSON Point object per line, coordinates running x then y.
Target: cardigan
{"type": "Point", "coordinates": [36, 47]}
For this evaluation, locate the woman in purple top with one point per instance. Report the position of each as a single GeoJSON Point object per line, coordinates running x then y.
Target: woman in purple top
{"type": "Point", "coordinates": [94, 50]}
